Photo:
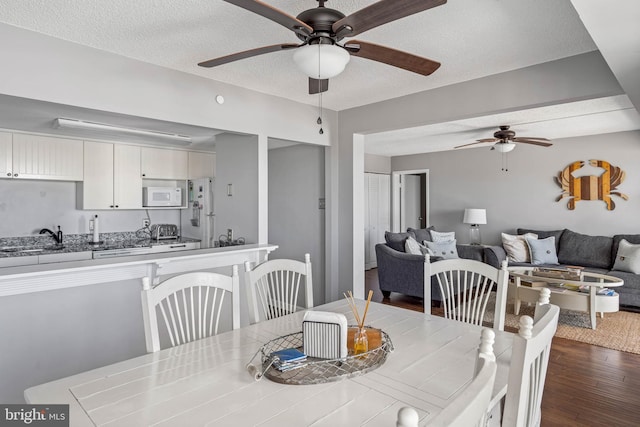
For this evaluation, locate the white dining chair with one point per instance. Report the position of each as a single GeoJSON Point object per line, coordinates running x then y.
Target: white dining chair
{"type": "Point", "coordinates": [528, 369]}
{"type": "Point", "coordinates": [190, 305]}
{"type": "Point", "coordinates": [466, 287]}
{"type": "Point", "coordinates": [274, 287]}
{"type": "Point", "coordinates": [471, 406]}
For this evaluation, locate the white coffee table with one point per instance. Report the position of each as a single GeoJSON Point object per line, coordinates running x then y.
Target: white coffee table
{"type": "Point", "coordinates": [590, 302]}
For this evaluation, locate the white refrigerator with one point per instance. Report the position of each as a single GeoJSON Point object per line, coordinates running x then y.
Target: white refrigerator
{"type": "Point", "coordinates": [198, 220]}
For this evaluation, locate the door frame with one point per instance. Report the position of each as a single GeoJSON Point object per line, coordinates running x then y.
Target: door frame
{"type": "Point", "coordinates": [397, 197]}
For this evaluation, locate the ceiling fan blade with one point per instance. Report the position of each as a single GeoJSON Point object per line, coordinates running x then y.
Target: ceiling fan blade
{"type": "Point", "coordinates": [473, 143]}
{"type": "Point", "coordinates": [246, 54]}
{"type": "Point", "coordinates": [519, 138]}
{"type": "Point", "coordinates": [488, 140]}
{"type": "Point", "coordinates": [528, 141]}
{"type": "Point", "coordinates": [318, 86]}
{"type": "Point", "coordinates": [274, 14]}
{"type": "Point", "coordinates": [396, 58]}
{"type": "Point", "coordinates": [380, 13]}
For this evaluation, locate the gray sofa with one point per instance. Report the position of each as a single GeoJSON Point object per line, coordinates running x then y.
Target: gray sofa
{"type": "Point", "coordinates": [595, 253]}
{"type": "Point", "coordinates": [402, 272]}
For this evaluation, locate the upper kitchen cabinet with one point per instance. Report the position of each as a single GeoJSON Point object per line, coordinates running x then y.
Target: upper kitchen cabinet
{"type": "Point", "coordinates": [6, 159]}
{"type": "Point", "coordinates": [161, 163]}
{"type": "Point", "coordinates": [202, 165]}
{"type": "Point", "coordinates": [25, 156]}
{"type": "Point", "coordinates": [112, 177]}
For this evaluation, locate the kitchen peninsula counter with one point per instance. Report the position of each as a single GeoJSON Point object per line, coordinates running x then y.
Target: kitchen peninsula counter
{"type": "Point", "coordinates": [46, 277]}
{"type": "Point", "coordinates": [68, 317]}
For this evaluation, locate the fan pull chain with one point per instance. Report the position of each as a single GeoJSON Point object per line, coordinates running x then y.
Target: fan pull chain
{"type": "Point", "coordinates": [319, 121]}
{"type": "Point", "coordinates": [320, 112]}
{"type": "Point", "coordinates": [505, 162]}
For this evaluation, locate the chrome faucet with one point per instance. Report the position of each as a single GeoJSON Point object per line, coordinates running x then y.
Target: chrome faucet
{"type": "Point", "coordinates": [56, 236]}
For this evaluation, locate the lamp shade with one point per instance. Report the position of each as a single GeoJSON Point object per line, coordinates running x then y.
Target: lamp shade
{"type": "Point", "coordinates": [475, 216]}
{"type": "Point", "coordinates": [321, 61]}
{"type": "Point", "coordinates": [504, 147]}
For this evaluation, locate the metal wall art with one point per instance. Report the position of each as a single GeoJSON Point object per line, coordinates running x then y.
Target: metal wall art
{"type": "Point", "coordinates": [591, 187]}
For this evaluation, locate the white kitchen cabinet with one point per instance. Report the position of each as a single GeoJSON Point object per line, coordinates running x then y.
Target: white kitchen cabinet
{"type": "Point", "coordinates": [6, 158]}
{"type": "Point", "coordinates": [112, 177]}
{"type": "Point", "coordinates": [201, 165]}
{"type": "Point", "coordinates": [25, 156]}
{"type": "Point", "coordinates": [377, 208]}
{"type": "Point", "coordinates": [162, 163]}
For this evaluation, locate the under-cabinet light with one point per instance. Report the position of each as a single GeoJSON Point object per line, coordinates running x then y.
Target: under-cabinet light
{"type": "Point", "coordinates": [81, 124]}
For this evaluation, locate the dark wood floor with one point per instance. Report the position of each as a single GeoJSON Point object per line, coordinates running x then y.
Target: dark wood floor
{"type": "Point", "coordinates": [586, 385]}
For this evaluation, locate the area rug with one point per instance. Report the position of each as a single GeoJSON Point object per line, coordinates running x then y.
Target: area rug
{"type": "Point", "coordinates": [617, 331]}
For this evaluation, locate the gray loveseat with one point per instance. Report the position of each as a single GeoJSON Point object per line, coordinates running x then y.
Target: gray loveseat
{"type": "Point", "coordinates": [402, 272]}
{"type": "Point", "coordinates": [595, 253]}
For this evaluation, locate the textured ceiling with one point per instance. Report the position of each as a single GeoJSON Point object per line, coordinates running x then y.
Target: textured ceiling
{"type": "Point", "coordinates": [591, 117]}
{"type": "Point", "coordinates": [471, 38]}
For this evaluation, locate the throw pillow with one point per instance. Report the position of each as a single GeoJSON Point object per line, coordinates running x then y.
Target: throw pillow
{"type": "Point", "coordinates": [420, 234]}
{"type": "Point", "coordinates": [628, 257]}
{"type": "Point", "coordinates": [395, 240]}
{"type": "Point", "coordinates": [446, 250]}
{"type": "Point", "coordinates": [516, 247]}
{"type": "Point", "coordinates": [437, 236]}
{"type": "Point", "coordinates": [543, 251]}
{"type": "Point", "coordinates": [411, 246]}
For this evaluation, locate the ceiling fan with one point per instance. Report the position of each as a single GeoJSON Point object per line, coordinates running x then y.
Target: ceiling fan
{"type": "Point", "coordinates": [505, 140]}
{"type": "Point", "coordinates": [320, 29]}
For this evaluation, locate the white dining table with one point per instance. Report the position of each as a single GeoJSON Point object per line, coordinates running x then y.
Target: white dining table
{"type": "Point", "coordinates": [206, 382]}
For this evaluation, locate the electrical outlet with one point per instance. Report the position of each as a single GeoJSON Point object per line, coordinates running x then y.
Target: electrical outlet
{"type": "Point", "coordinates": [91, 225]}
{"type": "Point", "coordinates": [145, 222]}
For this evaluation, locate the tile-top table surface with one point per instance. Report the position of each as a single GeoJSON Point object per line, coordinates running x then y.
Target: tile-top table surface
{"type": "Point", "coordinates": [206, 383]}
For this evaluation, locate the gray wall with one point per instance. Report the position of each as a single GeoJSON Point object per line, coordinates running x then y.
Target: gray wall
{"type": "Point", "coordinates": [377, 164]}
{"type": "Point", "coordinates": [26, 206]}
{"type": "Point", "coordinates": [585, 76]}
{"type": "Point", "coordinates": [296, 224]}
{"type": "Point", "coordinates": [237, 164]}
{"type": "Point", "coordinates": [525, 195]}
{"type": "Point", "coordinates": [54, 334]}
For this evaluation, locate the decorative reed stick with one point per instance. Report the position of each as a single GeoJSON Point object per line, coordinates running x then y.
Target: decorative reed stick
{"type": "Point", "coordinates": [352, 304]}
{"type": "Point", "coordinates": [366, 308]}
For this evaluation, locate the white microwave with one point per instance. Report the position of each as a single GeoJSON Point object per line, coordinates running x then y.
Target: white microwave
{"type": "Point", "coordinates": [161, 196]}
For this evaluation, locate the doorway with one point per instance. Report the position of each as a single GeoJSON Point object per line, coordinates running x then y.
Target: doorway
{"type": "Point", "coordinates": [296, 215]}
{"type": "Point", "coordinates": [410, 200]}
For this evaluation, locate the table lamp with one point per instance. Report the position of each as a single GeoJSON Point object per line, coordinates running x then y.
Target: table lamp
{"type": "Point", "coordinates": [475, 217]}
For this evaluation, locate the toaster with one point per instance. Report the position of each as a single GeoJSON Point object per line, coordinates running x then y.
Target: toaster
{"type": "Point", "coordinates": [164, 231]}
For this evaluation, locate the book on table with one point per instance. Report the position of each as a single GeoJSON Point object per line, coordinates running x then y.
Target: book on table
{"type": "Point", "coordinates": [288, 358]}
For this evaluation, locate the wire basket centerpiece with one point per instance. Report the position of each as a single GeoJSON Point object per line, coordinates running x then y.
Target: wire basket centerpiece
{"type": "Point", "coordinates": [316, 371]}
{"type": "Point", "coordinates": [325, 350]}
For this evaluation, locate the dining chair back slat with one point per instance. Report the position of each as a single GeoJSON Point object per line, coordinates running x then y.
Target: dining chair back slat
{"type": "Point", "coordinates": [466, 288]}
{"type": "Point", "coordinates": [528, 370]}
{"type": "Point", "coordinates": [274, 287]}
{"type": "Point", "coordinates": [190, 304]}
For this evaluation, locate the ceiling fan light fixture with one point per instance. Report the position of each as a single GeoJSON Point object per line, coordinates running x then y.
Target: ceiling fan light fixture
{"type": "Point", "coordinates": [321, 61]}
{"type": "Point", "coordinates": [504, 147]}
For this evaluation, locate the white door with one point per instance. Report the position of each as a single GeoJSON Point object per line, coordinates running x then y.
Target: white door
{"type": "Point", "coordinates": [377, 214]}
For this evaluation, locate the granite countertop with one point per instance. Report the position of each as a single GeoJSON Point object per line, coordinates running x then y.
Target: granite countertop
{"type": "Point", "coordinates": [41, 244]}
